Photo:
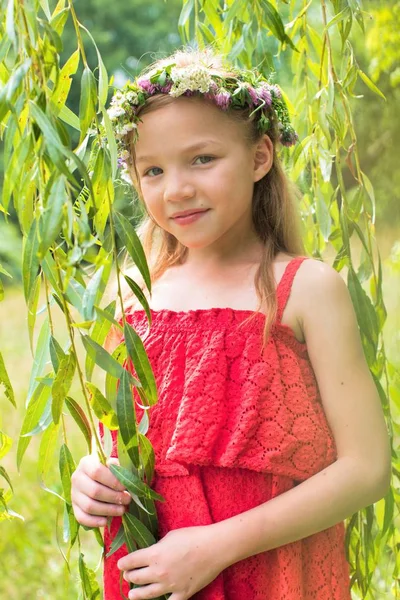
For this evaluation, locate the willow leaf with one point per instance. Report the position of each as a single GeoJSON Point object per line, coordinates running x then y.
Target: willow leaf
{"type": "Point", "coordinates": [47, 451]}
{"type": "Point", "coordinates": [32, 309]}
{"type": "Point", "coordinates": [34, 411]}
{"type": "Point", "coordinates": [102, 408]}
{"type": "Point", "coordinates": [88, 99]}
{"type": "Point", "coordinates": [61, 384]}
{"type": "Point", "coordinates": [56, 353]}
{"type": "Point", "coordinates": [80, 419]}
{"type": "Point", "coordinates": [90, 587]}
{"type": "Point", "coordinates": [99, 334]}
{"type": "Point", "coordinates": [130, 240]}
{"type": "Point", "coordinates": [30, 260]}
{"type": "Point", "coordinates": [133, 483]}
{"type": "Point", "coordinates": [140, 296]}
{"type": "Point", "coordinates": [134, 528]}
{"type": "Point", "coordinates": [4, 474]}
{"type": "Point", "coordinates": [5, 381]}
{"type": "Point", "coordinates": [67, 467]}
{"type": "Point", "coordinates": [89, 296]}
{"type": "Point", "coordinates": [40, 359]}
{"type": "Point", "coordinates": [127, 418]}
{"type": "Point", "coordinates": [50, 221]}
{"type": "Point", "coordinates": [5, 444]}
{"type": "Point", "coordinates": [101, 357]}
{"type": "Point", "coordinates": [141, 363]}
{"type": "Point", "coordinates": [147, 457]}
{"type": "Point", "coordinates": [118, 542]}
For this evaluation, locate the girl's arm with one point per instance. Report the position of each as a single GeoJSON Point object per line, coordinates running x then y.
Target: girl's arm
{"type": "Point", "coordinates": [361, 474]}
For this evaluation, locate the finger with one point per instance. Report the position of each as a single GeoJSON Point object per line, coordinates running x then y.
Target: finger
{"type": "Point", "coordinates": [155, 590]}
{"type": "Point", "coordinates": [140, 576]}
{"type": "Point", "coordinates": [88, 520]}
{"type": "Point", "coordinates": [101, 492]}
{"type": "Point", "coordinates": [100, 473]}
{"type": "Point", "coordinates": [96, 508]}
{"type": "Point", "coordinates": [134, 560]}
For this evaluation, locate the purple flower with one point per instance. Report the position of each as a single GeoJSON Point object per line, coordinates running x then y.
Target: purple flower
{"type": "Point", "coordinates": [222, 100]}
{"type": "Point", "coordinates": [146, 85]}
{"type": "Point", "coordinates": [253, 95]}
{"type": "Point", "coordinates": [265, 95]}
{"type": "Point", "coordinates": [276, 91]}
{"type": "Point", "coordinates": [165, 89]}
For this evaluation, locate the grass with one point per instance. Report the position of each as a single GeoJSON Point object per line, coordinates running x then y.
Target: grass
{"type": "Point", "coordinates": [30, 560]}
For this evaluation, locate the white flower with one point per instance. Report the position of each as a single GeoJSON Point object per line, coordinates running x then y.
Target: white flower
{"type": "Point", "coordinates": [132, 97]}
{"type": "Point", "coordinates": [194, 78]}
{"type": "Point", "coordinates": [115, 111]}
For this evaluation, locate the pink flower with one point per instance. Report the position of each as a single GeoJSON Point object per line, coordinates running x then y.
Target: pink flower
{"type": "Point", "coordinates": [265, 95]}
{"type": "Point", "coordinates": [222, 100]}
{"type": "Point", "coordinates": [146, 85]}
{"type": "Point", "coordinates": [253, 95]}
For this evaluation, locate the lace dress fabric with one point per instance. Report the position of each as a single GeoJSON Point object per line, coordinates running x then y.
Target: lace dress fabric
{"type": "Point", "coordinates": [235, 426]}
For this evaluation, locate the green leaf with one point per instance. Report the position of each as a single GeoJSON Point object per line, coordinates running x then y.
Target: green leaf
{"type": "Point", "coordinates": [80, 419]}
{"type": "Point", "coordinates": [118, 541]}
{"type": "Point", "coordinates": [130, 240]}
{"type": "Point", "coordinates": [89, 296]}
{"type": "Point", "coordinates": [5, 444]}
{"type": "Point", "coordinates": [127, 418]}
{"type": "Point", "coordinates": [135, 529]}
{"type": "Point", "coordinates": [4, 474]}
{"type": "Point", "coordinates": [89, 584]}
{"type": "Point", "coordinates": [370, 84]}
{"type": "Point", "coordinates": [49, 225]}
{"type": "Point", "coordinates": [133, 483]}
{"type": "Point", "coordinates": [139, 295]}
{"type": "Point", "coordinates": [101, 357]}
{"type": "Point", "coordinates": [5, 381]}
{"type": "Point", "coordinates": [33, 414]}
{"type": "Point", "coordinates": [32, 309]}
{"type": "Point", "coordinates": [103, 77]}
{"type": "Point", "coordinates": [61, 91]}
{"type": "Point", "coordinates": [99, 334]}
{"type": "Point", "coordinates": [9, 92]}
{"type": "Point", "coordinates": [67, 467]}
{"type": "Point", "coordinates": [88, 100]}
{"type": "Point", "coordinates": [274, 22]}
{"type": "Point", "coordinates": [47, 450]}
{"type": "Point", "coordinates": [56, 353]}
{"type": "Point", "coordinates": [147, 457]}
{"type": "Point", "coordinates": [102, 408]}
{"type": "Point", "coordinates": [119, 354]}
{"type": "Point", "coordinates": [61, 384]}
{"type": "Point", "coordinates": [30, 260]}
{"type": "Point", "coordinates": [141, 363]}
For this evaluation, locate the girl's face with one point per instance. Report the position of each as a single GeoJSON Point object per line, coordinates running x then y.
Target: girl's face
{"type": "Point", "coordinates": [191, 156]}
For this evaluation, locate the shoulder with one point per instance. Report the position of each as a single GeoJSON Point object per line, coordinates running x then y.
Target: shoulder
{"type": "Point", "coordinates": [324, 308]}
{"type": "Point", "coordinates": [316, 280]}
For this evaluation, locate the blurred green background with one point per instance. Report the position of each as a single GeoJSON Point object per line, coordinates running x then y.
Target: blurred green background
{"type": "Point", "coordinates": [129, 36]}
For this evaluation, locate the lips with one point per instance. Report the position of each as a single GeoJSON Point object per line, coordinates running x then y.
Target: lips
{"type": "Point", "coordinates": [188, 213]}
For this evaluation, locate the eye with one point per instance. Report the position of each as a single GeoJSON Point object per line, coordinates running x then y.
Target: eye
{"type": "Point", "coordinates": [148, 172]}
{"type": "Point", "coordinates": [205, 159]}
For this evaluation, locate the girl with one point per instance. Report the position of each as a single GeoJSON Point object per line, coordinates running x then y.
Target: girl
{"type": "Point", "coordinates": [268, 432]}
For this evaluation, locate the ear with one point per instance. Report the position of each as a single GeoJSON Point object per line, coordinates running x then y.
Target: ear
{"type": "Point", "coordinates": [263, 157]}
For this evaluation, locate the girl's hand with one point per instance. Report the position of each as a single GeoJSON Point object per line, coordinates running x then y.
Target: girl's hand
{"type": "Point", "coordinates": [96, 494]}
{"type": "Point", "coordinates": [183, 562]}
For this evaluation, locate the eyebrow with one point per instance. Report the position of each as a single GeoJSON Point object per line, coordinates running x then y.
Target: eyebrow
{"type": "Point", "coordinates": [192, 148]}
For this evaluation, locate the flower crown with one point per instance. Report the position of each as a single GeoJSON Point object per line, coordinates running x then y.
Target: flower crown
{"type": "Point", "coordinates": [237, 90]}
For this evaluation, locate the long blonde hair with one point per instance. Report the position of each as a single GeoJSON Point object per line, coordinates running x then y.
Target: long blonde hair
{"type": "Point", "coordinates": [274, 212]}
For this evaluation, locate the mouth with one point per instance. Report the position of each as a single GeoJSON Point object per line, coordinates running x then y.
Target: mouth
{"type": "Point", "coordinates": [188, 213]}
{"type": "Point", "coordinates": [189, 216]}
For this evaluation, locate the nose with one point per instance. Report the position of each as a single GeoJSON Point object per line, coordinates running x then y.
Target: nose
{"type": "Point", "coordinates": [178, 187]}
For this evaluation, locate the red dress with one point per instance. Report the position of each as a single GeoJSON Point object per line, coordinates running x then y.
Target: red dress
{"type": "Point", "coordinates": [234, 427]}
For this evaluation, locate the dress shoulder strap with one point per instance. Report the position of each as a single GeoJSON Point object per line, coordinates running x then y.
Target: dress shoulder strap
{"type": "Point", "coordinates": [285, 284]}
